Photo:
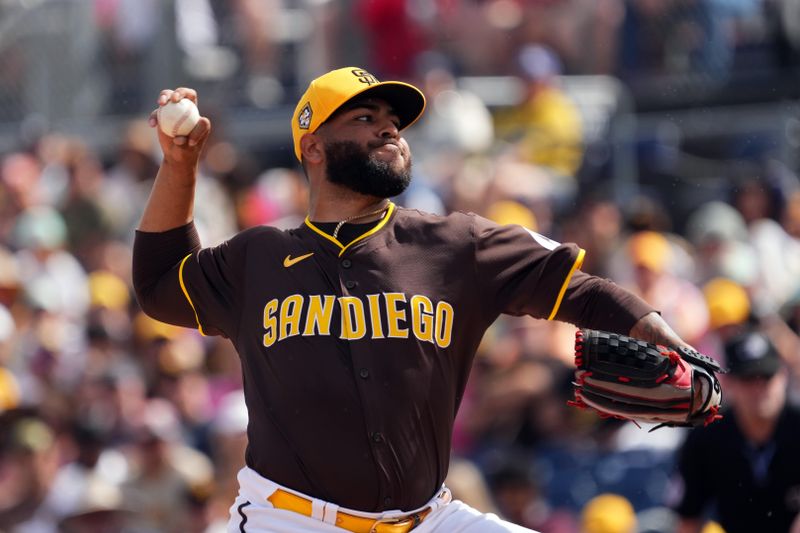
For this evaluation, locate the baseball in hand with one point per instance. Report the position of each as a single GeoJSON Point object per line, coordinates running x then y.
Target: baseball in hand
{"type": "Point", "coordinates": [178, 118]}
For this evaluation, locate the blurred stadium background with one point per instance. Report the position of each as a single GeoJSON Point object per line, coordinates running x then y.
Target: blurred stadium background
{"type": "Point", "coordinates": [661, 135]}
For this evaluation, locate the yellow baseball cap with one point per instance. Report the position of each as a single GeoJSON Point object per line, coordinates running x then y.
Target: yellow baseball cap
{"type": "Point", "coordinates": [728, 302]}
{"type": "Point", "coordinates": [327, 93]}
{"type": "Point", "coordinates": [510, 212]}
{"type": "Point", "coordinates": [107, 290]}
{"type": "Point", "coordinates": [650, 250]}
{"type": "Point", "coordinates": [608, 513]}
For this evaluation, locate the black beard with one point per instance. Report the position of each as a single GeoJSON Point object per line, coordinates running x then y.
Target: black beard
{"type": "Point", "coordinates": [351, 166]}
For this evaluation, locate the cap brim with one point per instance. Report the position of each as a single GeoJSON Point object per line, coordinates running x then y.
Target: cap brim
{"type": "Point", "coordinates": [407, 101]}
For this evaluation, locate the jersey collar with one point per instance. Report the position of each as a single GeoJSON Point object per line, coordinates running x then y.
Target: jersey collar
{"type": "Point", "coordinates": [389, 212]}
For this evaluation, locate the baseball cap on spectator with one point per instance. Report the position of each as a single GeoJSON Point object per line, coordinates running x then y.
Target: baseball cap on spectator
{"type": "Point", "coordinates": [40, 227]}
{"type": "Point", "coordinates": [330, 91]}
{"type": "Point", "coordinates": [752, 354]}
{"type": "Point", "coordinates": [649, 249]}
{"type": "Point", "coordinates": [22, 430]}
{"type": "Point", "coordinates": [510, 212]}
{"type": "Point", "coordinates": [9, 390]}
{"type": "Point", "coordinates": [608, 513]}
{"type": "Point", "coordinates": [43, 293]}
{"type": "Point", "coordinates": [712, 527]}
{"type": "Point", "coordinates": [96, 497]}
{"type": "Point", "coordinates": [107, 290]}
{"type": "Point", "coordinates": [715, 221]}
{"type": "Point", "coordinates": [727, 301]}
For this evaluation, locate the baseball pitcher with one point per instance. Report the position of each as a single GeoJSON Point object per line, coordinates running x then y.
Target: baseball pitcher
{"type": "Point", "coordinates": [356, 331]}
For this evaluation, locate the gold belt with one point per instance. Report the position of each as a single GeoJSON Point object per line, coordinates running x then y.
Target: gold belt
{"type": "Point", "coordinates": [357, 524]}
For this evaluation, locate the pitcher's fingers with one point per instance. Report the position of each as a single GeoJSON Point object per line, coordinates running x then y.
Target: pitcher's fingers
{"type": "Point", "coordinates": [152, 120]}
{"type": "Point", "coordinates": [164, 96]}
{"type": "Point", "coordinates": [184, 92]}
{"type": "Point", "coordinates": [200, 132]}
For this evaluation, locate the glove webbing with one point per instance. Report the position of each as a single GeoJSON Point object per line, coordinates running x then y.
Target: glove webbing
{"type": "Point", "coordinates": [624, 359]}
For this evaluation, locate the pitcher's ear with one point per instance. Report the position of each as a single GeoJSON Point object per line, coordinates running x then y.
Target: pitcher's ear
{"type": "Point", "coordinates": [312, 147]}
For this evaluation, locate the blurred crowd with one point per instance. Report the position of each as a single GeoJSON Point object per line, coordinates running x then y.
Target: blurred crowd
{"type": "Point", "coordinates": [77, 58]}
{"type": "Point", "coordinates": [111, 421]}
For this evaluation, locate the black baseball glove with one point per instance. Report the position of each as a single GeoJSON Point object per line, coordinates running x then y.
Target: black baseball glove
{"type": "Point", "coordinates": [628, 378]}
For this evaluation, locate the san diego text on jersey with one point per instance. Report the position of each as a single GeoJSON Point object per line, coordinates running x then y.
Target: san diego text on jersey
{"type": "Point", "coordinates": [392, 315]}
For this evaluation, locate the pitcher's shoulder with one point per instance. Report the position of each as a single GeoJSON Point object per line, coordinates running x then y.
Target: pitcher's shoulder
{"type": "Point", "coordinates": [262, 235]}
{"type": "Point", "coordinates": [409, 217]}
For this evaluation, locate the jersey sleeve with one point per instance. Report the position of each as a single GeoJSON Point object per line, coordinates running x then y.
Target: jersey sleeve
{"type": "Point", "coordinates": [210, 280]}
{"type": "Point", "coordinates": [178, 282]}
{"type": "Point", "coordinates": [597, 303]}
{"type": "Point", "coordinates": [156, 258]}
{"type": "Point", "coordinates": [520, 271]}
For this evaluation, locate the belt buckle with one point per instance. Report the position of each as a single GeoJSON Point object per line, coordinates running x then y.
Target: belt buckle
{"type": "Point", "coordinates": [413, 518]}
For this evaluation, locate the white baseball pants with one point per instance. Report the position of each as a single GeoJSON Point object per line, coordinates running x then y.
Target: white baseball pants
{"type": "Point", "coordinates": [253, 513]}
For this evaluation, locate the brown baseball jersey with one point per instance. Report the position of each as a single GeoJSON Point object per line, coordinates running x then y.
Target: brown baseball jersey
{"type": "Point", "coordinates": [355, 356]}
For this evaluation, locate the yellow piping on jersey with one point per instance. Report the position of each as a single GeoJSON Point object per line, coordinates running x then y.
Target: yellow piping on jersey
{"type": "Point", "coordinates": [317, 230]}
{"type": "Point", "coordinates": [342, 247]}
{"type": "Point", "coordinates": [576, 265]}
{"type": "Point", "coordinates": [186, 293]}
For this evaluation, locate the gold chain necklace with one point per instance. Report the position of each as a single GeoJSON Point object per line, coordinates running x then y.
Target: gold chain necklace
{"type": "Point", "coordinates": [354, 217]}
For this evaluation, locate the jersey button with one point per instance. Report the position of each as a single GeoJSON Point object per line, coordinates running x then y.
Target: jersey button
{"type": "Point", "coordinates": [346, 263]}
{"type": "Point", "coordinates": [387, 501]}
{"type": "Point", "coordinates": [364, 373]}
{"type": "Point", "coordinates": [350, 284]}
{"type": "Point", "coordinates": [377, 436]}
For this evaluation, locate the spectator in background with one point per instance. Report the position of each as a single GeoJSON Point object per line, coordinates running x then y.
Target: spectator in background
{"type": "Point", "coordinates": [729, 313]}
{"type": "Point", "coordinates": [22, 186]}
{"type": "Point", "coordinates": [165, 470]}
{"type": "Point", "coordinates": [608, 513]}
{"type": "Point", "coordinates": [456, 120]}
{"type": "Point", "coordinates": [129, 39]}
{"type": "Point", "coordinates": [520, 498]}
{"type": "Point", "coordinates": [745, 465]}
{"type": "Point", "coordinates": [761, 202]}
{"type": "Point", "coordinates": [719, 235]}
{"type": "Point", "coordinates": [229, 441]}
{"type": "Point", "coordinates": [546, 127]}
{"type": "Point", "coordinates": [57, 296]}
{"type": "Point", "coordinates": [456, 127]}
{"type": "Point", "coordinates": [596, 223]}
{"type": "Point", "coordinates": [680, 302]}
{"type": "Point", "coordinates": [28, 462]}
{"type": "Point", "coordinates": [100, 509]}
{"type": "Point", "coordinates": [128, 179]}
{"type": "Point", "coordinates": [256, 24]}
{"type": "Point", "coordinates": [85, 494]}
{"type": "Point", "coordinates": [392, 57]}
{"type": "Point", "coordinates": [728, 308]}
